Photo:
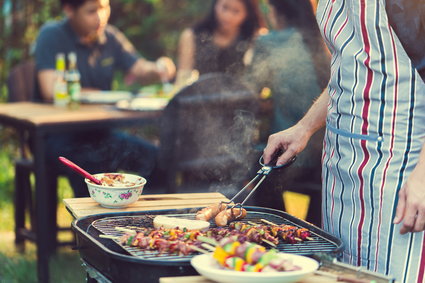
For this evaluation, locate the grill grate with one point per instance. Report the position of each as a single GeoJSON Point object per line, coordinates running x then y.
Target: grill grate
{"type": "Point", "coordinates": [319, 244]}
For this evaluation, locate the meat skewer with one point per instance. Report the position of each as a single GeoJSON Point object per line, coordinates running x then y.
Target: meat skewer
{"type": "Point", "coordinates": [183, 241]}
{"type": "Point", "coordinates": [298, 234]}
{"type": "Point", "coordinates": [181, 245]}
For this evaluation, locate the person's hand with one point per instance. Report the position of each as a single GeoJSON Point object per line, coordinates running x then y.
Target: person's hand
{"type": "Point", "coordinates": [291, 141]}
{"type": "Point", "coordinates": [166, 68]}
{"type": "Point", "coordinates": [411, 204]}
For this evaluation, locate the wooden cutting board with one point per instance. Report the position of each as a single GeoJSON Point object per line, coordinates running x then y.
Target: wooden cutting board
{"type": "Point", "coordinates": [80, 207]}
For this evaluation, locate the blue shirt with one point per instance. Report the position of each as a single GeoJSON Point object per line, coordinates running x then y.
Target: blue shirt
{"type": "Point", "coordinates": [96, 63]}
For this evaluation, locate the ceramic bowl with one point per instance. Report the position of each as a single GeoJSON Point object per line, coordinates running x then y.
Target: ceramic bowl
{"type": "Point", "coordinates": [208, 267]}
{"type": "Point", "coordinates": [117, 189]}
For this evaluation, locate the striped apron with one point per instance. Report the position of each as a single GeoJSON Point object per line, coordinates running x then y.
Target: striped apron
{"type": "Point", "coordinates": [375, 131]}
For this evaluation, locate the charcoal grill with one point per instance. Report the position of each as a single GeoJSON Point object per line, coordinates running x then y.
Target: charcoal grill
{"type": "Point", "coordinates": [130, 264]}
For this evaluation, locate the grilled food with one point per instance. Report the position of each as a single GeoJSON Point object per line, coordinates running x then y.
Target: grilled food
{"type": "Point", "coordinates": [172, 222]}
{"type": "Point", "coordinates": [210, 212]}
{"type": "Point", "coordinates": [228, 215]}
{"type": "Point", "coordinates": [234, 255]}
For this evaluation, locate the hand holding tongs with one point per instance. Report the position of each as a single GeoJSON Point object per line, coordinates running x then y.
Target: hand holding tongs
{"type": "Point", "coordinates": [264, 171]}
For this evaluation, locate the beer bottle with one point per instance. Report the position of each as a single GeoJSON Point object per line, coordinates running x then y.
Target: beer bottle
{"type": "Point", "coordinates": [73, 80]}
{"type": "Point", "coordinates": [60, 93]}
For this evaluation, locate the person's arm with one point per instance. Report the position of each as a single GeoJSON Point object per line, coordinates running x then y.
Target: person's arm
{"type": "Point", "coordinates": [186, 56]}
{"type": "Point", "coordinates": [46, 81]}
{"type": "Point", "coordinates": [411, 203]}
{"type": "Point", "coordinates": [147, 72]}
{"type": "Point", "coordinates": [293, 140]}
{"type": "Point", "coordinates": [136, 67]}
{"type": "Point", "coordinates": [47, 46]}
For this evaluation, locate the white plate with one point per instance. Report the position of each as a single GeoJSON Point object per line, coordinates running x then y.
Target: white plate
{"type": "Point", "coordinates": [143, 103]}
{"type": "Point", "coordinates": [208, 267]}
{"type": "Point", "coordinates": [104, 97]}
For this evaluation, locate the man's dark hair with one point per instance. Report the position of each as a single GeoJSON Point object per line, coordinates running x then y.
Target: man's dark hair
{"type": "Point", "coordinates": [73, 3]}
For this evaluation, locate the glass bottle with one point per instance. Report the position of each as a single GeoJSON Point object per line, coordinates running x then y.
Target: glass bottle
{"type": "Point", "coordinates": [73, 80]}
{"type": "Point", "coordinates": [60, 93]}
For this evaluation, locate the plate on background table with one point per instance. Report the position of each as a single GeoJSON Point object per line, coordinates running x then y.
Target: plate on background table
{"type": "Point", "coordinates": [209, 268]}
{"type": "Point", "coordinates": [143, 104]}
{"type": "Point", "coordinates": [104, 96]}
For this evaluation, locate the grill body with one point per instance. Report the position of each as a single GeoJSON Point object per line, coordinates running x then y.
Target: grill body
{"type": "Point", "coordinates": [127, 264]}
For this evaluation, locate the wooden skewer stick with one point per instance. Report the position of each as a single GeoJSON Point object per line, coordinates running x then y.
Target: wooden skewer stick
{"type": "Point", "coordinates": [134, 227]}
{"type": "Point", "coordinates": [207, 240]}
{"type": "Point", "coordinates": [195, 248]}
{"type": "Point", "coordinates": [109, 237]}
{"type": "Point", "coordinates": [126, 230]}
{"type": "Point", "coordinates": [268, 242]}
{"type": "Point", "coordinates": [208, 247]}
{"type": "Point", "coordinates": [268, 222]}
{"type": "Point", "coordinates": [252, 223]}
{"type": "Point", "coordinates": [309, 238]}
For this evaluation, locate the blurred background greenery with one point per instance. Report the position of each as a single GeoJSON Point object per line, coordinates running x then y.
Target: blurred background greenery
{"type": "Point", "coordinates": [153, 26]}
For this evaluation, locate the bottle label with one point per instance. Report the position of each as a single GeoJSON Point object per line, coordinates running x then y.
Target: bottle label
{"type": "Point", "coordinates": [74, 90]}
{"type": "Point", "coordinates": [61, 97]}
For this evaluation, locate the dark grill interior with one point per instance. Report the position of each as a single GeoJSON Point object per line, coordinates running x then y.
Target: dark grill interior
{"type": "Point", "coordinates": [319, 244]}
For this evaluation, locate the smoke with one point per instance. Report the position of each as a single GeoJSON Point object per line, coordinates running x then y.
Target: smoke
{"type": "Point", "coordinates": [215, 129]}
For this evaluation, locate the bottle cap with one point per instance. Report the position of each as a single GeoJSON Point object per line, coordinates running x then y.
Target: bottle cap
{"type": "Point", "coordinates": [60, 62]}
{"type": "Point", "coordinates": [72, 57]}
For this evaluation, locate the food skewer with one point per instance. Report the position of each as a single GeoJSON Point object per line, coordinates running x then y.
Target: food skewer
{"type": "Point", "coordinates": [181, 241]}
{"type": "Point", "coordinates": [126, 230]}
{"type": "Point", "coordinates": [301, 233]}
{"type": "Point", "coordinates": [247, 256]}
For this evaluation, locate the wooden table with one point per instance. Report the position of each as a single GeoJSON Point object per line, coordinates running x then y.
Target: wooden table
{"type": "Point", "coordinates": [39, 120]}
{"type": "Point", "coordinates": [80, 207]}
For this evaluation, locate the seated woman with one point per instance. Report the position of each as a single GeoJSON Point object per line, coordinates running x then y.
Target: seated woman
{"type": "Point", "coordinates": [220, 42]}
{"type": "Point", "coordinates": [293, 63]}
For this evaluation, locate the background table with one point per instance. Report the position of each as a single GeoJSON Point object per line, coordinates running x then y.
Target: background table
{"type": "Point", "coordinates": [39, 120]}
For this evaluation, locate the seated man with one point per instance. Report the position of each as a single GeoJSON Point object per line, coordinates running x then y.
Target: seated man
{"type": "Point", "coordinates": [101, 50]}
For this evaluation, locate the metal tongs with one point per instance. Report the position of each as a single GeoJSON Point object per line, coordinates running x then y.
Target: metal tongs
{"type": "Point", "coordinates": [263, 172]}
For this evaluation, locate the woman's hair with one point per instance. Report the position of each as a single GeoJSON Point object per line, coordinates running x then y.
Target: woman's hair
{"type": "Point", "coordinates": [249, 27]}
{"type": "Point", "coordinates": [73, 3]}
{"type": "Point", "coordinates": [299, 14]}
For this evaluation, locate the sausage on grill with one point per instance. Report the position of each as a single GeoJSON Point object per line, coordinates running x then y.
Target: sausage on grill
{"type": "Point", "coordinates": [211, 211]}
{"type": "Point", "coordinates": [228, 215]}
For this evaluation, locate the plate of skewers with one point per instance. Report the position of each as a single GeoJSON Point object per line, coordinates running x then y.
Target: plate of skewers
{"type": "Point", "coordinates": [232, 261]}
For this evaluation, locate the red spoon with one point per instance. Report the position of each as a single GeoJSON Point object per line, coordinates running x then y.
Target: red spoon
{"type": "Point", "coordinates": [79, 170]}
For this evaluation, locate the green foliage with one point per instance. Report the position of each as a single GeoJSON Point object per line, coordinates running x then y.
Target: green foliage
{"type": "Point", "coordinates": [65, 266]}
{"type": "Point", "coordinates": [18, 269]}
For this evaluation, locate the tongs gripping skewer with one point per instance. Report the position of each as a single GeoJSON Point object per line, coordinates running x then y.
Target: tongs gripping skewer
{"type": "Point", "coordinates": [264, 171]}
